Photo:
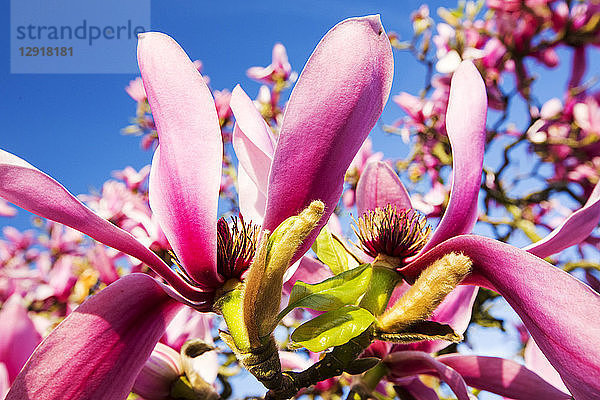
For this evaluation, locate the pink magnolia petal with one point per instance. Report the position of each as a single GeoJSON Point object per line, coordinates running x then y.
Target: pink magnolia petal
{"type": "Point", "coordinates": [456, 308]}
{"type": "Point", "coordinates": [310, 270]}
{"type": "Point", "coordinates": [99, 349]}
{"type": "Point", "coordinates": [409, 363]}
{"type": "Point", "coordinates": [186, 172]}
{"type": "Point", "coordinates": [104, 265]}
{"type": "Point", "coordinates": [61, 277]}
{"type": "Point", "coordinates": [536, 361]}
{"type": "Point", "coordinates": [252, 139]}
{"type": "Point", "coordinates": [261, 74]}
{"type": "Point", "coordinates": [251, 200]}
{"type": "Point", "coordinates": [188, 324]}
{"type": "Point", "coordinates": [416, 388]}
{"type": "Point", "coordinates": [573, 230]}
{"type": "Point", "coordinates": [29, 188]}
{"type": "Point", "coordinates": [592, 280]}
{"type": "Point", "coordinates": [504, 377]}
{"type": "Point", "coordinates": [335, 104]}
{"type": "Point", "coordinates": [293, 361]}
{"type": "Point", "coordinates": [566, 327]}
{"type": "Point", "coordinates": [6, 210]}
{"type": "Point", "coordinates": [4, 382]}
{"type": "Point", "coordinates": [379, 186]}
{"type": "Point", "coordinates": [18, 336]}
{"type": "Point", "coordinates": [465, 123]}
{"type": "Point", "coordinates": [160, 371]}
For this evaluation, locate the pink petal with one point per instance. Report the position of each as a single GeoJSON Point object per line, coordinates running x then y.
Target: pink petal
{"type": "Point", "coordinates": [261, 74]}
{"type": "Point", "coordinates": [100, 348]}
{"type": "Point", "coordinates": [61, 277]}
{"type": "Point", "coordinates": [18, 336]}
{"type": "Point", "coordinates": [310, 270]}
{"type": "Point", "coordinates": [504, 377]}
{"type": "Point", "coordinates": [188, 324]}
{"type": "Point", "coordinates": [160, 371]}
{"type": "Point", "coordinates": [379, 186]}
{"type": "Point", "coordinates": [6, 210]}
{"type": "Point", "coordinates": [186, 172]}
{"type": "Point", "coordinates": [29, 188]}
{"type": "Point", "coordinates": [409, 363]}
{"type": "Point", "coordinates": [335, 104]}
{"type": "Point", "coordinates": [4, 382]}
{"type": "Point", "coordinates": [103, 264]}
{"type": "Point", "coordinates": [252, 201]}
{"type": "Point", "coordinates": [536, 361]}
{"type": "Point", "coordinates": [465, 123]}
{"type": "Point", "coordinates": [456, 308]}
{"type": "Point", "coordinates": [293, 361]}
{"type": "Point", "coordinates": [573, 230]}
{"type": "Point", "coordinates": [417, 389]}
{"type": "Point", "coordinates": [566, 327]}
{"type": "Point", "coordinates": [252, 141]}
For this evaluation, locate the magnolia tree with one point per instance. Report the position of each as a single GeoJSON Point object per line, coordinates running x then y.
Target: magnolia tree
{"type": "Point", "coordinates": [234, 251]}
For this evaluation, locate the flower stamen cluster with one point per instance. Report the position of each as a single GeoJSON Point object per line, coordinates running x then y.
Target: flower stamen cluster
{"type": "Point", "coordinates": [236, 244]}
{"type": "Point", "coordinates": [392, 232]}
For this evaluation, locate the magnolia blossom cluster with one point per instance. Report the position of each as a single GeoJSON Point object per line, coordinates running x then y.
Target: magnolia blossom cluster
{"type": "Point", "coordinates": [506, 40]}
{"type": "Point", "coordinates": [192, 290]}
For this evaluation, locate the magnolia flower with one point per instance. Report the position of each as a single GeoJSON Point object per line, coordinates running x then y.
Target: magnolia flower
{"type": "Point", "coordinates": [18, 337]}
{"type": "Point", "coordinates": [132, 178]}
{"type": "Point", "coordinates": [278, 71]}
{"type": "Point", "coordinates": [100, 348]}
{"type": "Point", "coordinates": [6, 210]}
{"type": "Point", "coordinates": [566, 327]}
{"type": "Point", "coordinates": [136, 90]}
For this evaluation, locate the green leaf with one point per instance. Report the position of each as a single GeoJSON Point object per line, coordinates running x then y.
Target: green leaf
{"type": "Point", "coordinates": [332, 293]}
{"type": "Point", "coordinates": [331, 251]}
{"type": "Point", "coordinates": [333, 328]}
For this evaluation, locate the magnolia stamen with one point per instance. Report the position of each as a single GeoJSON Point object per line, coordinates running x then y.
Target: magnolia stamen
{"type": "Point", "coordinates": [391, 232]}
{"type": "Point", "coordinates": [236, 245]}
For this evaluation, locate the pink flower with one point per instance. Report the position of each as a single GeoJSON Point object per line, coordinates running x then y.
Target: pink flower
{"type": "Point", "coordinates": [160, 371]}
{"type": "Point", "coordinates": [132, 178]}
{"type": "Point", "coordinates": [18, 336]}
{"type": "Point", "coordinates": [135, 90]}
{"type": "Point", "coordinates": [100, 348]}
{"type": "Point", "coordinates": [277, 72]}
{"type": "Point", "coordinates": [6, 210]}
{"type": "Point", "coordinates": [587, 116]}
{"type": "Point", "coordinates": [222, 99]}
{"type": "Point", "coordinates": [531, 286]}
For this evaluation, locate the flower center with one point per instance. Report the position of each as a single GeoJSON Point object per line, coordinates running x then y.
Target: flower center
{"type": "Point", "coordinates": [236, 245]}
{"type": "Point", "coordinates": [391, 232]}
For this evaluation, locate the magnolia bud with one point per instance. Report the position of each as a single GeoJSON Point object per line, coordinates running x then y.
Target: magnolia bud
{"type": "Point", "coordinates": [262, 295]}
{"type": "Point", "coordinates": [162, 369]}
{"type": "Point", "coordinates": [429, 290]}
